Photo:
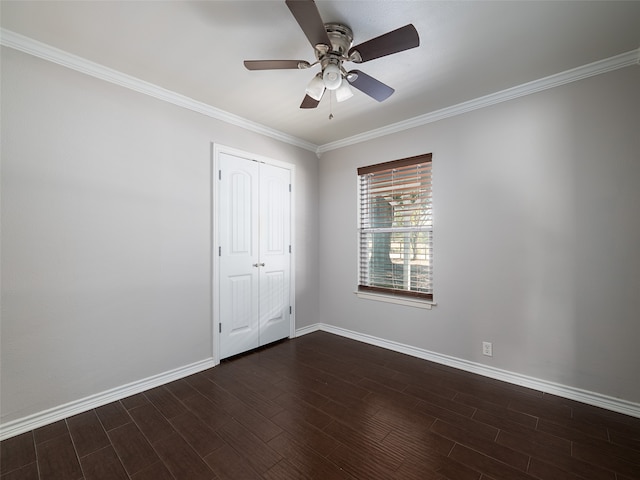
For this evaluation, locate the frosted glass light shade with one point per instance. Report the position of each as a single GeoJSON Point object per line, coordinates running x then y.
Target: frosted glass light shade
{"type": "Point", "coordinates": [344, 92]}
{"type": "Point", "coordinates": [315, 89]}
{"type": "Point", "coordinates": [332, 76]}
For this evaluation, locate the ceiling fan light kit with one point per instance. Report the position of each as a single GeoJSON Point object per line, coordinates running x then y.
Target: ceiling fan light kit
{"type": "Point", "coordinates": [332, 76]}
{"type": "Point", "coordinates": [344, 92]}
{"type": "Point", "coordinates": [332, 44]}
{"type": "Point", "coordinates": [315, 89]}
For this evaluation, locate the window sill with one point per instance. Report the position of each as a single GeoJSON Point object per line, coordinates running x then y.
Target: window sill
{"type": "Point", "coordinates": [409, 302]}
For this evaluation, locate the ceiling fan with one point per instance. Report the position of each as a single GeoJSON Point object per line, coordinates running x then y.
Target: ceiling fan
{"type": "Point", "coordinates": [332, 46]}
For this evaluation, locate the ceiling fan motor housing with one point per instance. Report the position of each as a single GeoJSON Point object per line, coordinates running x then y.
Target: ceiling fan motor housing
{"type": "Point", "coordinates": [341, 38]}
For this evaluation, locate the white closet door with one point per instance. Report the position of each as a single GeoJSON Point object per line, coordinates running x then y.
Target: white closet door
{"type": "Point", "coordinates": [275, 257]}
{"type": "Point", "coordinates": [254, 205]}
{"type": "Point", "coordinates": [239, 278]}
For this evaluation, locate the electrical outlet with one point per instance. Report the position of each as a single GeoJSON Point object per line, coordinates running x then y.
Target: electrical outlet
{"type": "Point", "coordinates": [487, 349]}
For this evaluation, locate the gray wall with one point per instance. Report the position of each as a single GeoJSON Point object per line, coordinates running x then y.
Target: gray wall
{"type": "Point", "coordinates": [106, 221]}
{"type": "Point", "coordinates": [106, 235]}
{"type": "Point", "coordinates": [537, 230]}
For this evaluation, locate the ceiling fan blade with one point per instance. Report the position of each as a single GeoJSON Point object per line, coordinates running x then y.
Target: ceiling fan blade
{"type": "Point", "coordinates": [369, 85]}
{"type": "Point", "coordinates": [309, 102]}
{"type": "Point", "coordinates": [395, 41]}
{"type": "Point", "coordinates": [276, 64]}
{"type": "Point", "coordinates": [307, 15]}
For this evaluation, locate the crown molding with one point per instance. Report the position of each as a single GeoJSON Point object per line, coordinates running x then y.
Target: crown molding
{"type": "Point", "coordinates": [46, 52]}
{"type": "Point", "coordinates": [573, 75]}
{"type": "Point", "coordinates": [41, 50]}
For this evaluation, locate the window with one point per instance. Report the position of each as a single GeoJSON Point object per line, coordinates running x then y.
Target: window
{"type": "Point", "coordinates": [396, 228]}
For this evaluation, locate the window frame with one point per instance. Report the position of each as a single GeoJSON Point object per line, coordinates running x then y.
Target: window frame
{"type": "Point", "coordinates": [404, 296]}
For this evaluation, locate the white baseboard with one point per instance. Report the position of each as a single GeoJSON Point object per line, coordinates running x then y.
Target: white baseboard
{"type": "Point", "coordinates": [584, 396]}
{"type": "Point", "coordinates": [308, 329]}
{"type": "Point", "coordinates": [40, 419]}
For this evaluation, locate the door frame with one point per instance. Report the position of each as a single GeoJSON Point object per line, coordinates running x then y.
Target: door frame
{"type": "Point", "coordinates": [216, 150]}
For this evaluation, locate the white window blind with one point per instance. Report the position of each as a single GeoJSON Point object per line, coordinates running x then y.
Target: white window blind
{"type": "Point", "coordinates": [396, 228]}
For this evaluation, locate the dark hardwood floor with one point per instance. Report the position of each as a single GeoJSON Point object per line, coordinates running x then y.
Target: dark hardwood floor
{"type": "Point", "coordinates": [325, 407]}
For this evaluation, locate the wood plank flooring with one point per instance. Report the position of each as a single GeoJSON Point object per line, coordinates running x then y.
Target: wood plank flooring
{"type": "Point", "coordinates": [325, 407]}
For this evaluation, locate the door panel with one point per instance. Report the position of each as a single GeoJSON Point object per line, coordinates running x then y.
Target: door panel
{"type": "Point", "coordinates": [240, 206]}
{"type": "Point", "coordinates": [273, 213]}
{"type": "Point", "coordinates": [240, 303]}
{"type": "Point", "coordinates": [239, 289]}
{"type": "Point", "coordinates": [241, 332]}
{"type": "Point", "coordinates": [275, 238]}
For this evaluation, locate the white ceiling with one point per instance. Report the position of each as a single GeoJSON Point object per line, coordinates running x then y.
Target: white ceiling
{"type": "Point", "coordinates": [196, 48]}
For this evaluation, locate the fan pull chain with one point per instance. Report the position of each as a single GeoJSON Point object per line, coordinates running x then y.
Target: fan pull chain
{"type": "Point", "coordinates": [330, 105]}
